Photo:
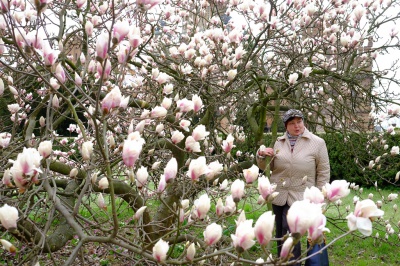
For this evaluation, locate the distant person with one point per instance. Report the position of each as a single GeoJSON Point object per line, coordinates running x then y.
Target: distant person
{"type": "Point", "coordinates": [297, 155]}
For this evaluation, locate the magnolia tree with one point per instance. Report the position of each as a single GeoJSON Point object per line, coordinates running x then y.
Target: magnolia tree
{"type": "Point", "coordinates": [125, 118]}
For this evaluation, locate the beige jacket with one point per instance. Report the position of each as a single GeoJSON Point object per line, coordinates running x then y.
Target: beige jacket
{"type": "Point", "coordinates": [309, 158]}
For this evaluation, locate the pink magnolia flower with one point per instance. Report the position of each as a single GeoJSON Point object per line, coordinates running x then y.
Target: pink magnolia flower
{"type": "Point", "coordinates": [184, 124]}
{"type": "Point", "coordinates": [265, 188]}
{"type": "Point", "coordinates": [131, 151]}
{"type": "Point", "coordinates": [232, 74]}
{"type": "Point", "coordinates": [227, 144]}
{"type": "Point", "coordinates": [158, 111]}
{"type": "Point", "coordinates": [237, 190]}
{"type": "Point", "coordinates": [45, 148]}
{"type": "Point", "coordinates": [185, 105]}
{"type": "Point", "coordinates": [264, 227]}
{"type": "Point", "coordinates": [7, 178]}
{"type": "Point", "coordinates": [139, 213]}
{"type": "Point", "coordinates": [134, 37]}
{"type": "Point", "coordinates": [89, 28]}
{"type": "Point", "coordinates": [219, 207]}
{"type": "Point", "coordinates": [230, 205]}
{"type": "Point", "coordinates": [5, 138]}
{"type": "Point", "coordinates": [200, 133]}
{"type": "Point", "coordinates": [197, 103]}
{"type": "Point", "coordinates": [214, 168]}
{"type": "Point", "coordinates": [8, 217]}
{"type": "Point", "coordinates": [160, 250]}
{"type": "Point", "coordinates": [251, 174]}
{"type": "Point", "coordinates": [191, 252]}
{"type": "Point", "coordinates": [162, 184]}
{"type": "Point", "coordinates": [102, 47]}
{"type": "Point", "coordinates": [286, 248]}
{"type": "Point", "coordinates": [314, 195]}
{"type": "Point", "coordinates": [111, 100]}
{"type": "Point", "coordinates": [191, 145]}
{"type": "Point", "coordinates": [365, 211]}
{"type": "Point", "coordinates": [26, 168]}
{"type": "Point", "coordinates": [120, 30]}
{"type": "Point", "coordinates": [177, 137]}
{"type": "Point", "coordinates": [212, 234]}
{"type": "Point", "coordinates": [80, 3]}
{"type": "Point", "coordinates": [87, 150]}
{"type": "Point", "coordinates": [307, 71]}
{"type": "Point", "coordinates": [293, 78]}
{"type": "Point", "coordinates": [197, 168]}
{"type": "Point", "coordinates": [336, 190]}
{"type": "Point", "coordinates": [202, 206]}
{"type": "Point", "coordinates": [100, 201]}
{"type": "Point", "coordinates": [301, 216]}
{"type": "Point", "coordinates": [141, 177]}
{"type": "Point", "coordinates": [170, 170]}
{"type": "Point", "coordinates": [166, 103]}
{"type": "Point", "coordinates": [103, 183]}
{"type": "Point", "coordinates": [60, 73]}
{"type": "Point", "coordinates": [243, 239]}
{"type": "Point", "coordinates": [317, 228]}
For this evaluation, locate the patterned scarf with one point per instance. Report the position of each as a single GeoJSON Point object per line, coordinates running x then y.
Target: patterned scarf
{"type": "Point", "coordinates": [292, 140]}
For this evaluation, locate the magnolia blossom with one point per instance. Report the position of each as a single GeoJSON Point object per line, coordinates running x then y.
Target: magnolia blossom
{"type": "Point", "coordinates": [185, 124]}
{"type": "Point", "coordinates": [191, 252]}
{"type": "Point", "coordinates": [8, 217]}
{"type": "Point", "coordinates": [202, 206]}
{"type": "Point", "coordinates": [139, 213]}
{"type": "Point", "coordinates": [237, 190]}
{"type": "Point", "coordinates": [101, 203]}
{"type": "Point", "coordinates": [131, 151]}
{"type": "Point", "coordinates": [336, 190]}
{"type": "Point", "coordinates": [191, 145]}
{"type": "Point", "coordinates": [102, 47]}
{"type": "Point", "coordinates": [395, 150]}
{"type": "Point", "coordinates": [286, 248]}
{"type": "Point", "coordinates": [251, 174]}
{"type": "Point", "coordinates": [103, 183]}
{"type": "Point", "coordinates": [177, 137]}
{"type": "Point", "coordinates": [317, 228]}
{"type": "Point", "coordinates": [219, 208]}
{"type": "Point", "coordinates": [197, 103]}
{"type": "Point", "coordinates": [158, 111]}
{"type": "Point", "coordinates": [5, 138]}
{"type": "Point", "coordinates": [293, 78]}
{"type": "Point", "coordinates": [170, 170]}
{"type": "Point", "coordinates": [230, 205]}
{"type": "Point", "coordinates": [160, 250]}
{"type": "Point", "coordinates": [45, 148]}
{"type": "Point", "coordinates": [307, 71]}
{"type": "Point", "coordinates": [26, 168]}
{"type": "Point", "coordinates": [185, 105]}
{"type": "Point", "coordinates": [7, 178]}
{"type": "Point", "coordinates": [227, 144]}
{"type": "Point", "coordinates": [8, 246]}
{"type": "Point", "coordinates": [214, 168]}
{"type": "Point", "coordinates": [120, 30]}
{"type": "Point", "coordinates": [224, 185]}
{"type": "Point", "coordinates": [147, 4]}
{"type": "Point", "coordinates": [141, 177]}
{"type": "Point", "coordinates": [243, 239]}
{"type": "Point", "coordinates": [314, 195]}
{"type": "Point", "coordinates": [364, 212]}
{"type": "Point", "coordinates": [212, 234]}
{"type": "Point", "coordinates": [265, 188]}
{"type": "Point", "coordinates": [87, 150]}
{"type": "Point", "coordinates": [301, 215]}
{"type": "Point", "coordinates": [197, 167]}
{"type": "Point", "coordinates": [162, 184]}
{"type": "Point", "coordinates": [264, 227]}
{"type": "Point", "coordinates": [200, 133]}
{"type": "Point", "coordinates": [232, 74]}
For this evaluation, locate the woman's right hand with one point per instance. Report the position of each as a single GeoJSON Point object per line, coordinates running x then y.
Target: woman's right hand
{"type": "Point", "coordinates": [264, 151]}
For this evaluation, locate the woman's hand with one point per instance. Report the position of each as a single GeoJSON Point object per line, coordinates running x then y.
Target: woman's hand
{"type": "Point", "coordinates": [264, 151]}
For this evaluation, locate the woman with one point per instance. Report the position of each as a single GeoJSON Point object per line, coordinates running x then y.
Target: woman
{"type": "Point", "coordinates": [299, 160]}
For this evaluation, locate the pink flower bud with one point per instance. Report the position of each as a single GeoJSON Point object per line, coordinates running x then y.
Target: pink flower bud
{"type": "Point", "coordinates": [212, 234]}
{"type": "Point", "coordinates": [141, 177]}
{"type": "Point", "coordinates": [160, 250]}
{"type": "Point", "coordinates": [243, 237]}
{"type": "Point", "coordinates": [237, 190]}
{"type": "Point", "coordinates": [103, 183]}
{"type": "Point", "coordinates": [202, 206]}
{"type": "Point", "coordinates": [264, 227]}
{"type": "Point", "coordinates": [251, 174]}
{"type": "Point", "coordinates": [170, 170]}
{"type": "Point", "coordinates": [191, 252]}
{"type": "Point", "coordinates": [100, 201]}
{"type": "Point", "coordinates": [8, 217]}
{"type": "Point", "coordinates": [102, 47]}
{"type": "Point", "coordinates": [45, 148]}
{"type": "Point", "coordinates": [87, 150]}
{"type": "Point", "coordinates": [139, 213]}
{"type": "Point", "coordinates": [111, 100]}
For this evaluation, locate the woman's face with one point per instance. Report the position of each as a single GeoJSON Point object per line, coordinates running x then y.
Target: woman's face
{"type": "Point", "coordinates": [295, 126]}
